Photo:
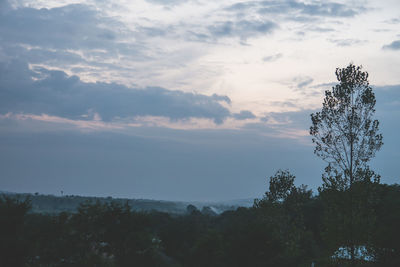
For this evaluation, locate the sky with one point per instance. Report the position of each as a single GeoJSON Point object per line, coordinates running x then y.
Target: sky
{"type": "Point", "coordinates": [182, 99]}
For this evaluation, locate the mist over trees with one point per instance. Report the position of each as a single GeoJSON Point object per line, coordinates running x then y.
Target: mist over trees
{"type": "Point", "coordinates": [352, 220]}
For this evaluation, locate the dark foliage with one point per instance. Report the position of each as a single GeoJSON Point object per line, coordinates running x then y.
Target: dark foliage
{"type": "Point", "coordinates": [288, 232]}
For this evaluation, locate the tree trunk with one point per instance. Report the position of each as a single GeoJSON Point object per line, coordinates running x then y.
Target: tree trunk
{"type": "Point", "coordinates": [352, 252]}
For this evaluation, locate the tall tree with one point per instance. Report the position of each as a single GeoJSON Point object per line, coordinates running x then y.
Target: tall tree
{"type": "Point", "coordinates": [345, 134]}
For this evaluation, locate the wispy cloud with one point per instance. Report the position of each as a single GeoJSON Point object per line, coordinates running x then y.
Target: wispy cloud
{"type": "Point", "coordinates": [272, 57]}
{"type": "Point", "coordinates": [395, 45]}
{"type": "Point", "coordinates": [347, 42]}
{"type": "Point", "coordinates": [290, 7]}
{"type": "Point", "coordinates": [242, 28]}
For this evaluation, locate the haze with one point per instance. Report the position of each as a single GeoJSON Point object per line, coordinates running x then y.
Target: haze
{"type": "Point", "coordinates": [182, 100]}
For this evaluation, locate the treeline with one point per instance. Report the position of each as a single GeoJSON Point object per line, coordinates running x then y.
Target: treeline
{"type": "Point", "coordinates": [288, 227]}
{"type": "Point", "coordinates": [69, 203]}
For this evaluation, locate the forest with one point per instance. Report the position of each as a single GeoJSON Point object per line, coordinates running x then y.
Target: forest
{"type": "Point", "coordinates": [352, 219]}
{"type": "Point", "coordinates": [294, 231]}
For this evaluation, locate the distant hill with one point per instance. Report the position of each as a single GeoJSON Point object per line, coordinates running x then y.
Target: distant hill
{"type": "Point", "coordinates": [69, 203]}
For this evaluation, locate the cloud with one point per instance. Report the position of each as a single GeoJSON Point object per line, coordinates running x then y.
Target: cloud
{"type": "Point", "coordinates": [243, 115]}
{"type": "Point", "coordinates": [55, 93]}
{"type": "Point", "coordinates": [347, 42]}
{"type": "Point", "coordinates": [213, 31]}
{"type": "Point", "coordinates": [168, 2]}
{"type": "Point", "coordinates": [242, 28]}
{"type": "Point", "coordinates": [395, 45]}
{"type": "Point", "coordinates": [320, 29]}
{"type": "Point", "coordinates": [311, 16]}
{"type": "Point", "coordinates": [272, 57]}
{"type": "Point", "coordinates": [393, 21]}
{"type": "Point", "coordinates": [69, 27]}
{"type": "Point", "coordinates": [303, 82]}
{"type": "Point", "coordinates": [222, 98]}
{"type": "Point", "coordinates": [71, 34]}
{"type": "Point", "coordinates": [290, 7]}
{"type": "Point", "coordinates": [291, 103]}
{"type": "Point", "coordinates": [327, 9]}
{"type": "Point", "coordinates": [295, 124]}
{"type": "Point", "coordinates": [287, 125]}
{"type": "Point", "coordinates": [196, 159]}
{"type": "Point", "coordinates": [291, 119]}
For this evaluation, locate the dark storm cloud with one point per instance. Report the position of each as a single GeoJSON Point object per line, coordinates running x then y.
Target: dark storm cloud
{"type": "Point", "coordinates": [56, 93]}
{"type": "Point", "coordinates": [395, 45]}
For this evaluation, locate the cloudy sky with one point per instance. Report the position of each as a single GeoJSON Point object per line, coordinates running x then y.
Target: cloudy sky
{"type": "Point", "coordinates": [182, 99]}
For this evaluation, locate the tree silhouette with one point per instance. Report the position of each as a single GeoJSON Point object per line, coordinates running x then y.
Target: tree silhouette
{"type": "Point", "coordinates": [346, 136]}
{"type": "Point", "coordinates": [344, 133]}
